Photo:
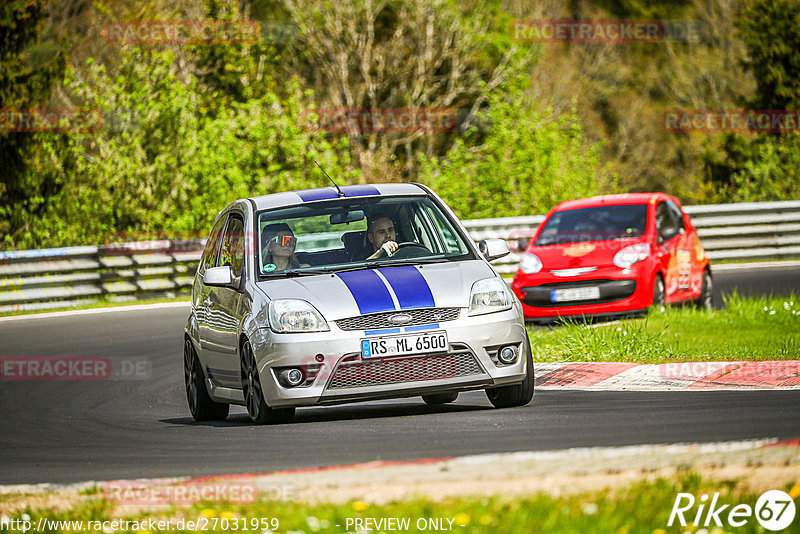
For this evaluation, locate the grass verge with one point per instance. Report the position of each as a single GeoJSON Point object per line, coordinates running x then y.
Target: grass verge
{"type": "Point", "coordinates": [640, 507]}
{"type": "Point", "coordinates": [753, 329]}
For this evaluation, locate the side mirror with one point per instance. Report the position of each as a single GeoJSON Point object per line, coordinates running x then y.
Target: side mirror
{"type": "Point", "coordinates": [667, 233]}
{"type": "Point", "coordinates": [219, 276]}
{"type": "Point", "coordinates": [493, 248]}
{"type": "Point", "coordinates": [523, 242]}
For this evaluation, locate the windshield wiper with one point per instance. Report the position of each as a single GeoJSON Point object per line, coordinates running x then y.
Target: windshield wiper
{"type": "Point", "coordinates": [417, 261]}
{"type": "Point", "coordinates": [291, 273]}
{"type": "Point", "coordinates": [400, 263]}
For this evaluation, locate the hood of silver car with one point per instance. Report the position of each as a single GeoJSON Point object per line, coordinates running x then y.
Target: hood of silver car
{"type": "Point", "coordinates": [353, 293]}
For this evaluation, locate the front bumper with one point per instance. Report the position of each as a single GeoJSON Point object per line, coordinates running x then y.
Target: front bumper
{"type": "Point", "coordinates": [343, 375]}
{"type": "Point", "coordinates": [621, 291]}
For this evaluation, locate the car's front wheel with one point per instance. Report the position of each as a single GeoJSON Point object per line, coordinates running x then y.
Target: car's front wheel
{"type": "Point", "coordinates": [517, 395]}
{"type": "Point", "coordinates": [706, 300]}
{"type": "Point", "coordinates": [257, 409]}
{"type": "Point", "coordinates": [200, 404]}
{"type": "Point", "coordinates": [659, 293]}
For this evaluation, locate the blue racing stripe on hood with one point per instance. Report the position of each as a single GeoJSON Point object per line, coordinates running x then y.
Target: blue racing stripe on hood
{"type": "Point", "coordinates": [369, 291]}
{"type": "Point", "coordinates": [410, 287]}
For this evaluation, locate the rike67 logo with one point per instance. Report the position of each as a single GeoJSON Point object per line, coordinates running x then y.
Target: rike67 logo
{"type": "Point", "coordinates": [774, 510]}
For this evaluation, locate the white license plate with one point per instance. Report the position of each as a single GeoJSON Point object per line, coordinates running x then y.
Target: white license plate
{"type": "Point", "coordinates": [402, 345]}
{"type": "Point", "coordinates": [575, 293]}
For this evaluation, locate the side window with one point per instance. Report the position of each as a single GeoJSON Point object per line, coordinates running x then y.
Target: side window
{"type": "Point", "coordinates": [210, 252]}
{"type": "Point", "coordinates": [666, 225]}
{"type": "Point", "coordinates": [232, 251]}
{"type": "Point", "coordinates": [677, 216]}
{"type": "Point", "coordinates": [445, 232]}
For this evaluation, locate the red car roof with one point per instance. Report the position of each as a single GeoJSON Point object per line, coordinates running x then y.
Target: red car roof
{"type": "Point", "coordinates": [611, 200]}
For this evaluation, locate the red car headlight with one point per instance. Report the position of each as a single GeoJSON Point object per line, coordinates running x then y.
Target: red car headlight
{"type": "Point", "coordinates": [631, 254]}
{"type": "Point", "coordinates": [530, 263]}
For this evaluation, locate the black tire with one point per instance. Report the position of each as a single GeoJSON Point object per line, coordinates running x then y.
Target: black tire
{"type": "Point", "coordinates": [519, 394]}
{"type": "Point", "coordinates": [200, 404]}
{"type": "Point", "coordinates": [706, 300]}
{"type": "Point", "coordinates": [659, 293]}
{"type": "Point", "coordinates": [440, 398]}
{"type": "Point", "coordinates": [257, 409]}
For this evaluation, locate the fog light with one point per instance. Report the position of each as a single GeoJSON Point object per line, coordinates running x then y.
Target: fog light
{"type": "Point", "coordinates": [290, 377]}
{"type": "Point", "coordinates": [507, 355]}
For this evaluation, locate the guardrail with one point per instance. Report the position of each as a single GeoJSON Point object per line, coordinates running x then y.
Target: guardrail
{"type": "Point", "coordinates": [71, 276]}
{"type": "Point", "coordinates": [49, 278]}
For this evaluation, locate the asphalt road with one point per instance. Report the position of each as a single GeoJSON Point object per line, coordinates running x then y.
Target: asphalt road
{"type": "Point", "coordinates": [139, 426]}
{"type": "Point", "coordinates": [775, 279]}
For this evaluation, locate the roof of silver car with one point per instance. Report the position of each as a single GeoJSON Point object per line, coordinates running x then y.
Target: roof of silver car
{"type": "Point", "coordinates": [290, 198]}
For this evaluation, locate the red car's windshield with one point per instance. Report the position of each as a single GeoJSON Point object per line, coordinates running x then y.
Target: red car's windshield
{"type": "Point", "coordinates": [594, 224]}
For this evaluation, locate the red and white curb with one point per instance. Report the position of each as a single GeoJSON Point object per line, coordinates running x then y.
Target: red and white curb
{"type": "Point", "coordinates": [693, 376]}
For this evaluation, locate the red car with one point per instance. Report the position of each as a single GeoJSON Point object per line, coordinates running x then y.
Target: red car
{"type": "Point", "coordinates": [612, 255]}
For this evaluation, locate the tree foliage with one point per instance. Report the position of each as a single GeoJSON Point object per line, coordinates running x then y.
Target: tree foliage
{"type": "Point", "coordinates": [400, 54]}
{"type": "Point", "coordinates": [517, 162]}
{"type": "Point", "coordinates": [765, 166]}
{"type": "Point", "coordinates": [166, 166]}
{"type": "Point", "coordinates": [771, 31]}
{"type": "Point", "coordinates": [29, 69]}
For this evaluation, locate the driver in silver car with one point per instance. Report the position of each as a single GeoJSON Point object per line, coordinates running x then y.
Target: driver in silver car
{"type": "Point", "coordinates": [381, 233]}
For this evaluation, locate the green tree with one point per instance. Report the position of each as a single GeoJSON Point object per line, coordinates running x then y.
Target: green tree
{"type": "Point", "coordinates": [763, 167]}
{"type": "Point", "coordinates": [399, 54]}
{"type": "Point", "coordinates": [29, 69]}
{"type": "Point", "coordinates": [516, 162]}
{"type": "Point", "coordinates": [168, 166]}
{"type": "Point", "coordinates": [771, 31]}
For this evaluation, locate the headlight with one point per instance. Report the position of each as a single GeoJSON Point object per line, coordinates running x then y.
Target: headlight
{"type": "Point", "coordinates": [530, 263]}
{"type": "Point", "coordinates": [294, 315]}
{"type": "Point", "coordinates": [630, 255]}
{"type": "Point", "coordinates": [487, 296]}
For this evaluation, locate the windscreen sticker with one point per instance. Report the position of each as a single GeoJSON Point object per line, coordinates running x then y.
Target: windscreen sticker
{"type": "Point", "coordinates": [329, 193]}
{"type": "Point", "coordinates": [310, 195]}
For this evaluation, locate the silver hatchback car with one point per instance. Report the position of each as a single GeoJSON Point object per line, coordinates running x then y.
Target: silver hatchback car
{"type": "Point", "coordinates": [333, 295]}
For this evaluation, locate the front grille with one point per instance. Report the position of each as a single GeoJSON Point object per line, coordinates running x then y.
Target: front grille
{"type": "Point", "coordinates": [381, 320]}
{"type": "Point", "coordinates": [575, 283]}
{"type": "Point", "coordinates": [610, 291]}
{"type": "Point", "coordinates": [353, 372]}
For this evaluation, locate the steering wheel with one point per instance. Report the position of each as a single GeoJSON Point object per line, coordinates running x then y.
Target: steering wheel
{"type": "Point", "coordinates": [410, 249]}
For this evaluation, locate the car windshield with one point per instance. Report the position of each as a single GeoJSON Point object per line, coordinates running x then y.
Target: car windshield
{"type": "Point", "coordinates": [594, 224]}
{"type": "Point", "coordinates": [347, 234]}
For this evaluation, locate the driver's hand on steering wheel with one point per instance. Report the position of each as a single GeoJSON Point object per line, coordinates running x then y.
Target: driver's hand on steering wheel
{"type": "Point", "coordinates": [388, 248]}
